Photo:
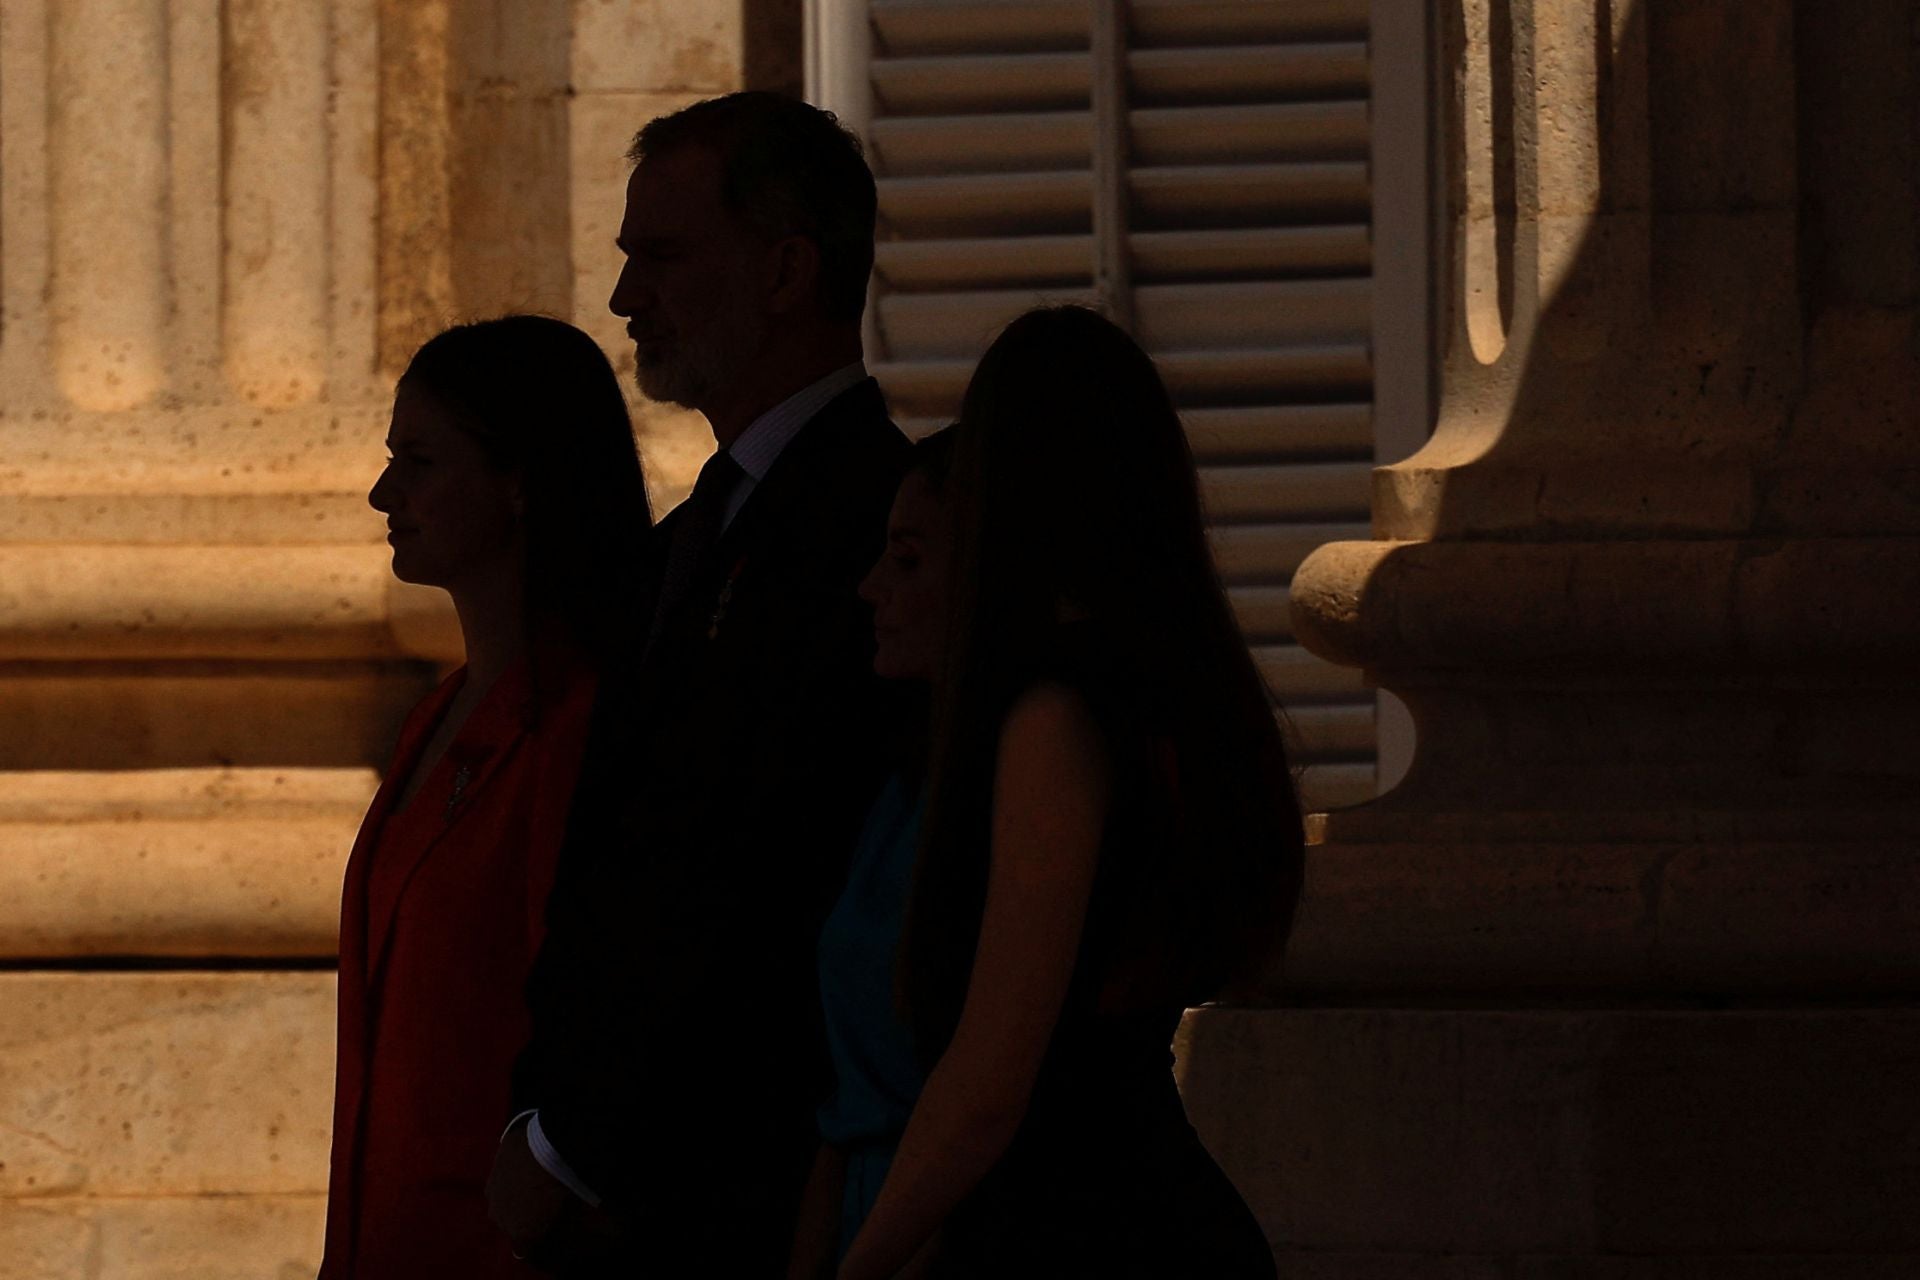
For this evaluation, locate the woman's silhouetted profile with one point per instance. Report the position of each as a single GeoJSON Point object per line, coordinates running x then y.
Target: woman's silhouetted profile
{"type": "Point", "coordinates": [1110, 835]}
{"type": "Point", "coordinates": [513, 484]}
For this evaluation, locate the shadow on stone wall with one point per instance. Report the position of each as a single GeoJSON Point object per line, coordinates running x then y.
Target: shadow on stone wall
{"type": "Point", "coordinates": [1647, 593]}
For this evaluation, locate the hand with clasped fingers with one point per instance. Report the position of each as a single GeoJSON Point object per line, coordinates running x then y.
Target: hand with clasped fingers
{"type": "Point", "coordinates": [547, 1224]}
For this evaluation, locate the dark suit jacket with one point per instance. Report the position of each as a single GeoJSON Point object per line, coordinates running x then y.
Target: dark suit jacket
{"type": "Point", "coordinates": [440, 917]}
{"type": "Point", "coordinates": [676, 1056]}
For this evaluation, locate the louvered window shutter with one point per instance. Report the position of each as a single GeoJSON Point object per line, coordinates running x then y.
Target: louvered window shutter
{"type": "Point", "coordinates": [1199, 169]}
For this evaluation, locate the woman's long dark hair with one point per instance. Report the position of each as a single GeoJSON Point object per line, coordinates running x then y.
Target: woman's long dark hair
{"type": "Point", "coordinates": [1073, 495]}
{"type": "Point", "coordinates": [540, 398]}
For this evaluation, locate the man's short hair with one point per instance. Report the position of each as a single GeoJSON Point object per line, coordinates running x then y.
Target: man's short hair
{"type": "Point", "coordinates": [787, 168]}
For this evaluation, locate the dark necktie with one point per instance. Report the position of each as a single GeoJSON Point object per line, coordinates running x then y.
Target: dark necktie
{"type": "Point", "coordinates": [695, 531]}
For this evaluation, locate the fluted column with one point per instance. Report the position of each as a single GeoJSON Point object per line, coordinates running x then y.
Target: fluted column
{"type": "Point", "coordinates": [275, 200]}
{"type": "Point", "coordinates": [1652, 577]}
{"type": "Point", "coordinates": [1618, 981]}
{"type": "Point", "coordinates": [106, 108]}
{"type": "Point", "coordinates": [203, 653]}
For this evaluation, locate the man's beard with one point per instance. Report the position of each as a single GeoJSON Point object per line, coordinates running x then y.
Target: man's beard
{"type": "Point", "coordinates": [693, 371]}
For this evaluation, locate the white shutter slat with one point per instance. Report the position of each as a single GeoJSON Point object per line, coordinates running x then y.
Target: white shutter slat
{"type": "Point", "coordinates": [1233, 314]}
{"type": "Point", "coordinates": [1297, 677]}
{"type": "Point", "coordinates": [1000, 82]}
{"type": "Point", "coordinates": [1243, 252]}
{"type": "Point", "coordinates": [1238, 194]}
{"type": "Point", "coordinates": [958, 264]}
{"type": "Point", "coordinates": [1247, 21]}
{"type": "Point", "coordinates": [919, 326]}
{"type": "Point", "coordinates": [1300, 431]}
{"type": "Point", "coordinates": [1265, 374]}
{"type": "Point", "coordinates": [956, 28]}
{"type": "Point", "coordinates": [1287, 491]}
{"type": "Point", "coordinates": [922, 388]}
{"type": "Point", "coordinates": [907, 146]}
{"type": "Point", "coordinates": [1259, 131]}
{"type": "Point", "coordinates": [1218, 316]}
{"type": "Point", "coordinates": [1255, 553]}
{"type": "Point", "coordinates": [1261, 375]}
{"type": "Point", "coordinates": [1000, 142]}
{"type": "Point", "coordinates": [983, 204]}
{"type": "Point", "coordinates": [1237, 73]}
{"type": "Point", "coordinates": [1237, 253]}
{"type": "Point", "coordinates": [986, 24]}
{"type": "Point", "coordinates": [1332, 730]}
{"type": "Point", "coordinates": [976, 82]}
{"type": "Point", "coordinates": [1262, 612]}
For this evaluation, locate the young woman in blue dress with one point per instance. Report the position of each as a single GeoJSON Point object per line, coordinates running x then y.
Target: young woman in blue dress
{"type": "Point", "coordinates": [1110, 835]}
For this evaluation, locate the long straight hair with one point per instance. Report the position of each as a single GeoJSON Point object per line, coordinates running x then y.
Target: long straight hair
{"type": "Point", "coordinates": [539, 397]}
{"type": "Point", "coordinates": [1073, 494]}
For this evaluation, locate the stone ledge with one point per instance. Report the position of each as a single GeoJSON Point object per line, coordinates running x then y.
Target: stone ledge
{"type": "Point", "coordinates": [191, 519]}
{"type": "Point", "coordinates": [222, 450]}
{"type": "Point", "coordinates": [1713, 609]}
{"type": "Point", "coordinates": [148, 1084]}
{"type": "Point", "coordinates": [51, 795]}
{"type": "Point", "coordinates": [61, 603]}
{"type": "Point", "coordinates": [163, 1238]}
{"type": "Point", "coordinates": [64, 603]}
{"type": "Point", "coordinates": [176, 862]}
{"type": "Point", "coordinates": [230, 887]}
{"type": "Point", "coordinates": [137, 716]}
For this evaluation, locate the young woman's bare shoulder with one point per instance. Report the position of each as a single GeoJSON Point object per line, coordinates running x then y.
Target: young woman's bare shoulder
{"type": "Point", "coordinates": [1051, 725]}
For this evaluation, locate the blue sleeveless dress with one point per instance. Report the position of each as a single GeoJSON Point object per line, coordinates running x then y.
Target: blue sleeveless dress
{"type": "Point", "coordinates": [876, 1069]}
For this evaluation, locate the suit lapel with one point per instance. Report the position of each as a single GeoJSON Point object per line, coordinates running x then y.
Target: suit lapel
{"type": "Point", "coordinates": [804, 463]}
{"type": "Point", "coordinates": [483, 745]}
{"type": "Point", "coordinates": [414, 733]}
{"type": "Point", "coordinates": [354, 988]}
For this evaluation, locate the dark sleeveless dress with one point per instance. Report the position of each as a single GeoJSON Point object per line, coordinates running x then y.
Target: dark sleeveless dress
{"type": "Point", "coordinates": [1105, 1176]}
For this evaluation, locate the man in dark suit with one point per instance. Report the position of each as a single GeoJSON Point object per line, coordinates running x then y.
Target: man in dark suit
{"type": "Point", "coordinates": [676, 1055]}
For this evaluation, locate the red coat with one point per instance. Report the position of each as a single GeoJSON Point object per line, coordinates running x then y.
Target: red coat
{"type": "Point", "coordinates": [440, 918]}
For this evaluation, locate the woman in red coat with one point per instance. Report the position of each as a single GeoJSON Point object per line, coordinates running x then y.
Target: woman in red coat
{"type": "Point", "coordinates": [514, 485]}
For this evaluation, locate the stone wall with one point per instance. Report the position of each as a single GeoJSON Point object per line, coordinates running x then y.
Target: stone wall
{"type": "Point", "coordinates": [1619, 984]}
{"type": "Point", "coordinates": [224, 225]}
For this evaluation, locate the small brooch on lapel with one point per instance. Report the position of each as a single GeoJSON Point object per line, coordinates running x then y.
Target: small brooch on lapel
{"type": "Point", "coordinates": [724, 600]}
{"type": "Point", "coordinates": [470, 759]}
{"type": "Point", "coordinates": [461, 777]}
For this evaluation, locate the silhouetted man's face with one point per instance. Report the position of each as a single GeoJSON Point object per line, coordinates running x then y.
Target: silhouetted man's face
{"type": "Point", "coordinates": [693, 287]}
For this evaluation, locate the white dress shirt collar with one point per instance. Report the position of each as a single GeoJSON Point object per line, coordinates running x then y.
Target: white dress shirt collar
{"type": "Point", "coordinates": [768, 435]}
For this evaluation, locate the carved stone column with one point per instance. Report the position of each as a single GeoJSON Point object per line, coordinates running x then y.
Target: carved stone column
{"type": "Point", "coordinates": [224, 224]}
{"type": "Point", "coordinates": [1621, 975]}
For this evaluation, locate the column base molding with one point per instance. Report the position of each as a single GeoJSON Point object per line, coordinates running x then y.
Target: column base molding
{"type": "Point", "coordinates": [1567, 1144]}
{"type": "Point", "coordinates": [1680, 920]}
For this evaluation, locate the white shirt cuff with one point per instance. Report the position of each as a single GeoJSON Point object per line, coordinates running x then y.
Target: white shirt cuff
{"type": "Point", "coordinates": [530, 1111]}
{"type": "Point", "coordinates": [552, 1161]}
